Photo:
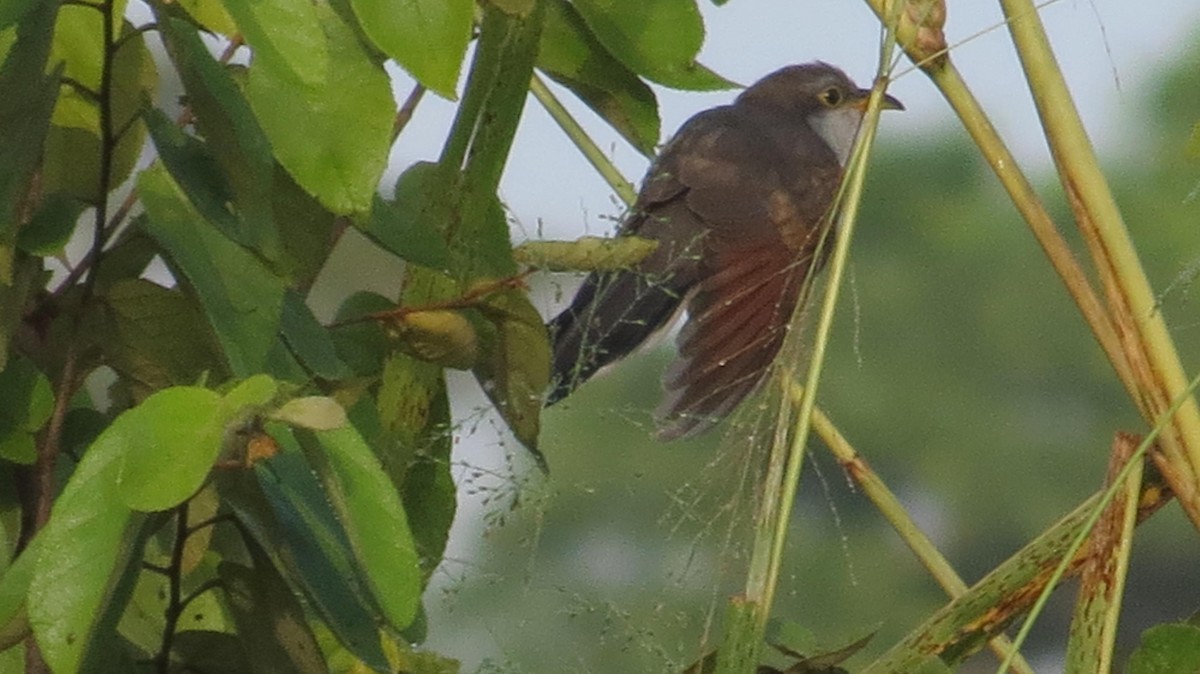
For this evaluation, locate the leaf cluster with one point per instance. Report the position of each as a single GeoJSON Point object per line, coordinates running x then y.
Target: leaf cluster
{"type": "Point", "coordinates": [200, 475]}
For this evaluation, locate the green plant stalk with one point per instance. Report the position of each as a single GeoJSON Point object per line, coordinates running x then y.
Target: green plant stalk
{"type": "Point", "coordinates": [787, 452]}
{"type": "Point", "coordinates": [1105, 498]}
{"type": "Point", "coordinates": [1150, 348]}
{"type": "Point", "coordinates": [1097, 611]}
{"type": "Point", "coordinates": [583, 141]}
{"type": "Point", "coordinates": [961, 627]}
{"type": "Point", "coordinates": [977, 124]}
{"type": "Point", "coordinates": [892, 510]}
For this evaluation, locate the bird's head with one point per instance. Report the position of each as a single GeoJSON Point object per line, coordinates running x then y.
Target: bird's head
{"type": "Point", "coordinates": [822, 95]}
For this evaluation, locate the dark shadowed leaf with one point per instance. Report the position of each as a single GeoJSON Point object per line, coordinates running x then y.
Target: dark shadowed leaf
{"type": "Point", "coordinates": [400, 226]}
{"type": "Point", "coordinates": [373, 517]}
{"type": "Point", "coordinates": [428, 38]}
{"type": "Point", "coordinates": [282, 506]}
{"type": "Point", "coordinates": [231, 133]}
{"type": "Point", "coordinates": [270, 621]}
{"type": "Point", "coordinates": [210, 652]}
{"type": "Point", "coordinates": [515, 368]}
{"type": "Point", "coordinates": [51, 226]}
{"type": "Point", "coordinates": [329, 127]}
{"type": "Point", "coordinates": [308, 340]}
{"type": "Point", "coordinates": [72, 147]}
{"type": "Point", "coordinates": [658, 40]}
{"type": "Point", "coordinates": [572, 56]}
{"type": "Point", "coordinates": [413, 412]}
{"type": "Point", "coordinates": [154, 336]}
{"type": "Point", "coordinates": [28, 403]}
{"type": "Point", "coordinates": [28, 278]}
{"type": "Point", "coordinates": [362, 345]}
{"type": "Point", "coordinates": [242, 298]}
{"type": "Point", "coordinates": [24, 121]}
{"type": "Point", "coordinates": [14, 10]}
{"type": "Point", "coordinates": [194, 168]}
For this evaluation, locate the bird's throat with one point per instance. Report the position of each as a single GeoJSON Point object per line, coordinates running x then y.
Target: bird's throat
{"type": "Point", "coordinates": [838, 129]}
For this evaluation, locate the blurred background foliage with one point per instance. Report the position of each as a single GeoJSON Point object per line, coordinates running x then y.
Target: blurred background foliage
{"type": "Point", "coordinates": [960, 369]}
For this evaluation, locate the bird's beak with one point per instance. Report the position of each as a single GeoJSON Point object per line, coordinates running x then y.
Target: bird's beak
{"type": "Point", "coordinates": [889, 102]}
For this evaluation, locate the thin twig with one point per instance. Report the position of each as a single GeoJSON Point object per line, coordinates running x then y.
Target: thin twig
{"type": "Point", "coordinates": [583, 141]}
{"type": "Point", "coordinates": [405, 113]}
{"type": "Point", "coordinates": [467, 300]}
{"type": "Point", "coordinates": [175, 602]}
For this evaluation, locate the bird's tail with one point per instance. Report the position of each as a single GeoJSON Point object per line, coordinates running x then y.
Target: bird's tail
{"type": "Point", "coordinates": [612, 314]}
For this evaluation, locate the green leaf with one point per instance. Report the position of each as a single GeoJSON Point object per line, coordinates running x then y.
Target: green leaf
{"type": "Point", "coordinates": [658, 40]}
{"type": "Point", "coordinates": [251, 393]}
{"type": "Point", "coordinates": [572, 56]}
{"type": "Point", "coordinates": [242, 298]}
{"type": "Point", "coordinates": [155, 337]}
{"type": "Point", "coordinates": [211, 14]}
{"type": "Point", "coordinates": [83, 552]}
{"type": "Point", "coordinates": [231, 133]}
{"type": "Point", "coordinates": [282, 506]}
{"type": "Point", "coordinates": [373, 517]}
{"type": "Point", "coordinates": [1167, 649]}
{"type": "Point", "coordinates": [24, 121]}
{"type": "Point", "coordinates": [515, 369]}
{"type": "Point", "coordinates": [330, 128]}
{"type": "Point", "coordinates": [269, 619]}
{"type": "Point", "coordinates": [286, 34]}
{"type": "Point", "coordinates": [169, 443]}
{"type": "Point", "coordinates": [428, 38]}
{"type": "Point", "coordinates": [14, 588]}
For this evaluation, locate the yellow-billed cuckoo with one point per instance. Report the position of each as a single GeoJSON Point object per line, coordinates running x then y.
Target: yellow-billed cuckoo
{"type": "Point", "coordinates": [736, 201]}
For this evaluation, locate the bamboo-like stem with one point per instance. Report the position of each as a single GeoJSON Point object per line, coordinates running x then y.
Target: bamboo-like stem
{"type": "Point", "coordinates": [890, 507]}
{"type": "Point", "coordinates": [977, 124]}
{"type": "Point", "coordinates": [582, 140]}
{"type": "Point", "coordinates": [1143, 332]}
{"type": "Point", "coordinates": [1102, 585]}
{"type": "Point", "coordinates": [1164, 422]}
{"type": "Point", "coordinates": [739, 652]}
{"type": "Point", "coordinates": [959, 628]}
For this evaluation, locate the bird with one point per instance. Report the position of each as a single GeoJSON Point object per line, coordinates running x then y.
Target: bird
{"type": "Point", "coordinates": [737, 201]}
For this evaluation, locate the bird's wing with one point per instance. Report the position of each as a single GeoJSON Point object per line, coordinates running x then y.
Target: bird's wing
{"type": "Point", "coordinates": [761, 205]}
{"type": "Point", "coordinates": [614, 313]}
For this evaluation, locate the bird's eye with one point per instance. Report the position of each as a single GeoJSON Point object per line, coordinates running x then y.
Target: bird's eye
{"type": "Point", "coordinates": [831, 96]}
